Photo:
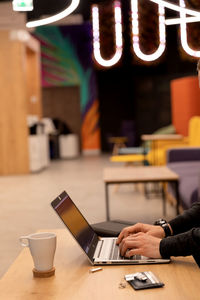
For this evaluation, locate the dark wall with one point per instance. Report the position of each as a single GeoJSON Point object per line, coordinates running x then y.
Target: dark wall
{"type": "Point", "coordinates": [140, 93]}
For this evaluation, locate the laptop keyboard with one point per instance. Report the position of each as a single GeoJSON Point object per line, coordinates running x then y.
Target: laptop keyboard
{"type": "Point", "coordinates": [115, 254]}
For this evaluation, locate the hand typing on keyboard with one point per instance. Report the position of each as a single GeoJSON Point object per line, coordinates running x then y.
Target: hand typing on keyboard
{"type": "Point", "coordinates": [140, 244]}
{"type": "Point", "coordinates": [152, 230]}
{"type": "Point", "coordinates": [141, 239]}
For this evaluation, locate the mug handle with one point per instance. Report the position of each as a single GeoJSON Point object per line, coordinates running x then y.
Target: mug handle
{"type": "Point", "coordinates": [22, 239]}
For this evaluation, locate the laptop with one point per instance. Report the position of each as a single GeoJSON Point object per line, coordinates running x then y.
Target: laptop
{"type": "Point", "coordinates": [99, 250]}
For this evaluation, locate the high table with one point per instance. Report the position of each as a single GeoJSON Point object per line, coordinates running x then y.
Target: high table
{"type": "Point", "coordinates": [140, 174]}
{"type": "Point", "coordinates": [73, 281]}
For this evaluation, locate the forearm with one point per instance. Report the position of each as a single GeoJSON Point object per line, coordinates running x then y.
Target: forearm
{"type": "Point", "coordinates": [183, 244]}
{"type": "Point", "coordinates": [187, 220]}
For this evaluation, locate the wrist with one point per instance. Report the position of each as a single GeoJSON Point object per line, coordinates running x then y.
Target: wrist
{"type": "Point", "coordinates": [166, 228]}
{"type": "Point", "coordinates": [160, 232]}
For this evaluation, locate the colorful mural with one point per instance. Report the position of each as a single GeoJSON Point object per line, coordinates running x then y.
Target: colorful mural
{"type": "Point", "coordinates": [66, 53]}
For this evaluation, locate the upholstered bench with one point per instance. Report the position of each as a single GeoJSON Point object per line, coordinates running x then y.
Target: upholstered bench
{"type": "Point", "coordinates": [186, 163]}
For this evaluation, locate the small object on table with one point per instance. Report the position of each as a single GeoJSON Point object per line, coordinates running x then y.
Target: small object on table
{"type": "Point", "coordinates": [95, 270]}
{"type": "Point", "coordinates": [143, 280]}
{"type": "Point", "coordinates": [122, 284]}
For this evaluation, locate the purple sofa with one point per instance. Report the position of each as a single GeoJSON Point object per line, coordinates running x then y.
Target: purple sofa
{"type": "Point", "coordinates": [186, 163]}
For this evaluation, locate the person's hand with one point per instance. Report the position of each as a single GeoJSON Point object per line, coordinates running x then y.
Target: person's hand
{"type": "Point", "coordinates": [152, 230]}
{"type": "Point", "coordinates": [140, 244]}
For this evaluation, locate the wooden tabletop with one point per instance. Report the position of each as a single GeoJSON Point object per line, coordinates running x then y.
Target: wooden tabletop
{"type": "Point", "coordinates": [139, 174]}
{"type": "Point", "coordinates": [164, 137]}
{"type": "Point", "coordinates": [73, 281]}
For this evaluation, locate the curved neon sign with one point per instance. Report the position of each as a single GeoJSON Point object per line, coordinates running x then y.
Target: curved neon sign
{"type": "Point", "coordinates": [162, 4]}
{"type": "Point", "coordinates": [66, 12]}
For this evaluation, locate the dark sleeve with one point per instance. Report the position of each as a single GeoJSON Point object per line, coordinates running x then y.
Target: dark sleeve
{"type": "Point", "coordinates": [187, 220]}
{"type": "Point", "coordinates": [183, 244]}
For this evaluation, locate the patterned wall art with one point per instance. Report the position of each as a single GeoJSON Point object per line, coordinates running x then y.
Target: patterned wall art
{"type": "Point", "coordinates": [66, 59]}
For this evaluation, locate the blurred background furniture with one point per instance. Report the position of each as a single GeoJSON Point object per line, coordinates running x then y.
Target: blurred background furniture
{"type": "Point", "coordinates": [191, 140]}
{"type": "Point", "coordinates": [118, 142]}
{"type": "Point", "coordinates": [141, 174]}
{"type": "Point", "coordinates": [38, 152]}
{"type": "Point", "coordinates": [154, 156]}
{"type": "Point", "coordinates": [186, 163]}
{"type": "Point", "coordinates": [185, 102]}
{"type": "Point", "coordinates": [69, 145]}
{"type": "Point", "coordinates": [132, 150]}
{"type": "Point", "coordinates": [157, 155]}
{"type": "Point", "coordinates": [138, 155]}
{"type": "Point", "coordinates": [38, 140]}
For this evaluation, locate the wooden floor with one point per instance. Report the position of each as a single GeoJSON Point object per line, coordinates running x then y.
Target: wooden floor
{"type": "Point", "coordinates": [25, 201]}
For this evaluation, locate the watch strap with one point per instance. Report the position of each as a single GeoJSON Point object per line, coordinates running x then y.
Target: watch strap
{"type": "Point", "coordinates": [166, 229]}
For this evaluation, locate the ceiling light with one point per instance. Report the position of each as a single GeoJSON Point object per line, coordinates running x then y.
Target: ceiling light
{"type": "Point", "coordinates": [22, 5]}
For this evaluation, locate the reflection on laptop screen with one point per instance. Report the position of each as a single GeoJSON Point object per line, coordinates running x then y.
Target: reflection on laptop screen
{"type": "Point", "coordinates": [75, 222]}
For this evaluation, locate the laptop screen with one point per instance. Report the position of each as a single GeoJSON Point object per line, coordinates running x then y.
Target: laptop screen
{"type": "Point", "coordinates": [76, 223]}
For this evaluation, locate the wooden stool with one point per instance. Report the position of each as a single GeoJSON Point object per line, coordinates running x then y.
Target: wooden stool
{"type": "Point", "coordinates": [118, 142]}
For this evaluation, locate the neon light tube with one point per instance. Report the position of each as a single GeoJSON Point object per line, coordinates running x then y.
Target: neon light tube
{"type": "Point", "coordinates": [176, 21]}
{"type": "Point", "coordinates": [56, 17]}
{"type": "Point", "coordinates": [135, 31]}
{"type": "Point", "coordinates": [183, 29]}
{"type": "Point", "coordinates": [118, 36]}
{"type": "Point", "coordinates": [177, 8]}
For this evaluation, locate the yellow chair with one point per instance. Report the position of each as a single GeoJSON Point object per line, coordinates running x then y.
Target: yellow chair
{"type": "Point", "coordinates": [194, 132]}
{"type": "Point", "coordinates": [193, 140]}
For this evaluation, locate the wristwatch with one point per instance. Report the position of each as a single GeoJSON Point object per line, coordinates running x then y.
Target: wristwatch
{"type": "Point", "coordinates": [163, 223]}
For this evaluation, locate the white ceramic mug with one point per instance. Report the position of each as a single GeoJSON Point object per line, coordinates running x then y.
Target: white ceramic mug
{"type": "Point", "coordinates": [42, 247]}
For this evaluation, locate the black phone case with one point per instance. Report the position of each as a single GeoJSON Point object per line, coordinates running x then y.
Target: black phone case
{"type": "Point", "coordinates": [140, 285]}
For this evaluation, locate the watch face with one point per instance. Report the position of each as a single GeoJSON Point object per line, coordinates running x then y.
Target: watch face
{"type": "Point", "coordinates": [160, 222]}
